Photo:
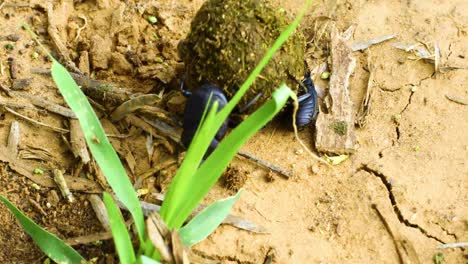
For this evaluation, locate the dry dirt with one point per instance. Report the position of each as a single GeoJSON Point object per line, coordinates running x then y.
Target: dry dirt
{"type": "Point", "coordinates": [414, 169]}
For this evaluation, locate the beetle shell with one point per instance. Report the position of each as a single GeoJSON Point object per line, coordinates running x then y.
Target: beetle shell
{"type": "Point", "coordinates": [194, 110]}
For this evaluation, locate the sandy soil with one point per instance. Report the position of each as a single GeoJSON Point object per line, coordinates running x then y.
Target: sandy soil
{"type": "Point", "coordinates": [413, 168]}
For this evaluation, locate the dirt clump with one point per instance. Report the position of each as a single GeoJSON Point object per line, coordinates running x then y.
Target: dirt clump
{"type": "Point", "coordinates": [229, 38]}
{"type": "Point", "coordinates": [233, 178]}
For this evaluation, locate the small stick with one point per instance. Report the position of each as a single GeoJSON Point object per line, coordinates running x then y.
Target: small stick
{"type": "Point", "coordinates": [88, 239]}
{"type": "Point", "coordinates": [62, 184]}
{"type": "Point", "coordinates": [265, 164]}
{"type": "Point", "coordinates": [37, 206]}
{"type": "Point", "coordinates": [2, 68]}
{"type": "Point", "coordinates": [56, 129]}
{"type": "Point", "coordinates": [13, 139]}
{"type": "Point", "coordinates": [13, 68]}
{"type": "Point", "coordinates": [46, 104]}
{"type": "Point", "coordinates": [364, 110]}
{"type": "Point", "coordinates": [100, 211]}
{"type": "Point", "coordinates": [453, 245]}
{"type": "Point", "coordinates": [78, 142]}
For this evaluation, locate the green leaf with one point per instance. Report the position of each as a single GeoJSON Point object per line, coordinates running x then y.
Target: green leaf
{"type": "Point", "coordinates": [51, 245]}
{"type": "Point", "coordinates": [197, 186]}
{"type": "Point", "coordinates": [99, 145]}
{"type": "Point", "coordinates": [122, 240]}
{"type": "Point", "coordinates": [174, 206]}
{"type": "Point", "coordinates": [146, 260]}
{"type": "Point", "coordinates": [202, 225]}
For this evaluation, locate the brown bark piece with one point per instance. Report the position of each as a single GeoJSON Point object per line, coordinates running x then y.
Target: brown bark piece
{"type": "Point", "coordinates": [78, 142]}
{"type": "Point", "coordinates": [335, 131]}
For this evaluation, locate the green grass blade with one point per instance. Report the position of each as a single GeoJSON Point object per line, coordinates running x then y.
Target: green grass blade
{"type": "Point", "coordinates": [122, 240]}
{"type": "Point", "coordinates": [99, 145]}
{"type": "Point", "coordinates": [146, 260]}
{"type": "Point", "coordinates": [51, 245]}
{"type": "Point", "coordinates": [179, 191]}
{"type": "Point", "coordinates": [202, 225]}
{"type": "Point", "coordinates": [193, 157]}
{"type": "Point", "coordinates": [210, 171]}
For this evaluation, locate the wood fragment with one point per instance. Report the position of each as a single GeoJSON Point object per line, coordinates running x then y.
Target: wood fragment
{"type": "Point", "coordinates": [266, 164]}
{"type": "Point", "coordinates": [132, 105]}
{"type": "Point", "coordinates": [46, 104]}
{"type": "Point", "coordinates": [78, 142]}
{"type": "Point", "coordinates": [56, 129]}
{"type": "Point", "coordinates": [159, 236]}
{"type": "Point", "coordinates": [100, 211]}
{"type": "Point", "coordinates": [89, 239]}
{"type": "Point", "coordinates": [37, 206]}
{"type": "Point", "coordinates": [13, 140]}
{"type": "Point", "coordinates": [457, 99]}
{"type": "Point", "coordinates": [405, 250]}
{"type": "Point", "coordinates": [178, 249]}
{"type": "Point", "coordinates": [453, 245]}
{"type": "Point", "coordinates": [366, 44]}
{"type": "Point", "coordinates": [13, 68]}
{"type": "Point", "coordinates": [335, 131]}
{"type": "Point", "coordinates": [62, 185]}
{"type": "Point", "coordinates": [35, 153]}
{"type": "Point", "coordinates": [365, 107]}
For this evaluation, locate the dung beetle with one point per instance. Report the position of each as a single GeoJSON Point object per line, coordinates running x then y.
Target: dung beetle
{"type": "Point", "coordinates": [198, 100]}
{"type": "Point", "coordinates": [194, 109]}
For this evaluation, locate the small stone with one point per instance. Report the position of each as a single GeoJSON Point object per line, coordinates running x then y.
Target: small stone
{"type": "Point", "coordinates": [315, 169]}
{"type": "Point", "coordinates": [414, 88]}
{"type": "Point", "coordinates": [298, 151]}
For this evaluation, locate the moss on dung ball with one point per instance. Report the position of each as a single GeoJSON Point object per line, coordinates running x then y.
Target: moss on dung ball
{"type": "Point", "coordinates": [228, 38]}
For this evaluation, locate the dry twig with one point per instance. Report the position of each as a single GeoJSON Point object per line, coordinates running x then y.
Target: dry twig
{"type": "Point", "coordinates": [62, 185]}
{"type": "Point", "coordinates": [56, 129]}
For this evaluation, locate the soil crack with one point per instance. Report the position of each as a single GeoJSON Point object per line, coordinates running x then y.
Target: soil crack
{"type": "Point", "coordinates": [396, 209]}
{"type": "Point", "coordinates": [219, 258]}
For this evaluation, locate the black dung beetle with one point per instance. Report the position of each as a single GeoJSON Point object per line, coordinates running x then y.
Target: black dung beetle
{"type": "Point", "coordinates": [308, 107]}
{"type": "Point", "coordinates": [197, 101]}
{"type": "Point", "coordinates": [194, 110]}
